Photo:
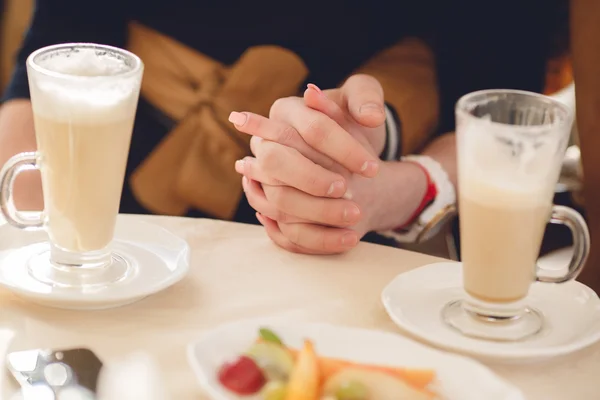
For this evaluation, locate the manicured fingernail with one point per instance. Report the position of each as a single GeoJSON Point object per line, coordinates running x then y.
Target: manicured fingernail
{"type": "Point", "coordinates": [260, 219]}
{"type": "Point", "coordinates": [314, 87]}
{"type": "Point", "coordinates": [369, 168]}
{"type": "Point", "coordinates": [370, 108]}
{"type": "Point", "coordinates": [351, 213]}
{"type": "Point", "coordinates": [239, 166]}
{"type": "Point", "coordinates": [336, 188]}
{"type": "Point", "coordinates": [350, 239]}
{"type": "Point", "coordinates": [237, 118]}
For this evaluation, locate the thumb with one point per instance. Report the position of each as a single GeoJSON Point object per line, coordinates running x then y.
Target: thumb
{"type": "Point", "coordinates": [364, 96]}
{"type": "Point", "coordinates": [316, 99]}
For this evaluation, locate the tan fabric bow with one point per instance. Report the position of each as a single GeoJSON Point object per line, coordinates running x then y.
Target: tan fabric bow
{"type": "Point", "coordinates": [193, 166]}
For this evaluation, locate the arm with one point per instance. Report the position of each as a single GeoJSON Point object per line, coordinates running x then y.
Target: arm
{"type": "Point", "coordinates": [496, 57]}
{"type": "Point", "coordinates": [54, 21]}
{"type": "Point", "coordinates": [585, 44]}
{"type": "Point", "coordinates": [297, 220]}
{"type": "Point", "coordinates": [393, 202]}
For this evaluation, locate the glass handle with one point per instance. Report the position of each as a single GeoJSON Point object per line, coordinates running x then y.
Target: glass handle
{"type": "Point", "coordinates": [581, 243]}
{"type": "Point", "coordinates": [13, 167]}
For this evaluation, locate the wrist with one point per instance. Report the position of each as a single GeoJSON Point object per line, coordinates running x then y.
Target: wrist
{"type": "Point", "coordinates": [393, 204]}
{"type": "Point", "coordinates": [436, 207]}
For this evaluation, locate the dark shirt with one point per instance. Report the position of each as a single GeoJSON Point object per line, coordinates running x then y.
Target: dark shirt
{"type": "Point", "coordinates": [475, 48]}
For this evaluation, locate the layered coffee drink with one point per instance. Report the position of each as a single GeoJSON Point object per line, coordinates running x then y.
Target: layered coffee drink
{"type": "Point", "coordinates": [510, 146]}
{"type": "Point", "coordinates": [83, 135]}
{"type": "Point", "coordinates": [501, 233]}
{"type": "Point", "coordinates": [505, 203]}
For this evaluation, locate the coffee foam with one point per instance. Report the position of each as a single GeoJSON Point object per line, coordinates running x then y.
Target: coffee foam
{"type": "Point", "coordinates": [102, 98]}
{"type": "Point", "coordinates": [85, 62]}
{"type": "Point", "coordinates": [84, 104]}
{"type": "Point", "coordinates": [503, 161]}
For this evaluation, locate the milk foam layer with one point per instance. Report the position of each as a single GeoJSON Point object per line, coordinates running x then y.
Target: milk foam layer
{"type": "Point", "coordinates": [84, 62]}
{"type": "Point", "coordinates": [498, 161]}
{"type": "Point", "coordinates": [93, 93]}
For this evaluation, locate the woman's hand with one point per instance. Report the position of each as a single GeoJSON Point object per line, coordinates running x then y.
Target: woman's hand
{"type": "Point", "coordinates": [312, 179]}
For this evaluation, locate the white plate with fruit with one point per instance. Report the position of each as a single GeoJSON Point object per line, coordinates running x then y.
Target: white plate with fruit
{"type": "Point", "coordinates": [269, 361]}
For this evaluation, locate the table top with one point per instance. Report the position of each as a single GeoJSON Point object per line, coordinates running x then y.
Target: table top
{"type": "Point", "coordinates": [236, 272]}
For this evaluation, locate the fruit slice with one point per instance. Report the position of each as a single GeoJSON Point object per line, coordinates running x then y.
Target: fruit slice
{"type": "Point", "coordinates": [352, 390]}
{"type": "Point", "coordinates": [275, 360]}
{"type": "Point", "coordinates": [274, 390]}
{"type": "Point", "coordinates": [242, 376]}
{"type": "Point", "coordinates": [379, 385]}
{"type": "Point", "coordinates": [305, 378]}
{"type": "Point", "coordinates": [269, 336]}
{"type": "Point", "coordinates": [419, 378]}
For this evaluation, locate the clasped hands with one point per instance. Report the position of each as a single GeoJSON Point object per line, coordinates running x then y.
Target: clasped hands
{"type": "Point", "coordinates": [315, 173]}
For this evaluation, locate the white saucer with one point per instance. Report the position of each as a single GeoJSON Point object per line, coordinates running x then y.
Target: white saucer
{"type": "Point", "coordinates": [457, 377]}
{"type": "Point", "coordinates": [414, 301]}
{"type": "Point", "coordinates": [158, 257]}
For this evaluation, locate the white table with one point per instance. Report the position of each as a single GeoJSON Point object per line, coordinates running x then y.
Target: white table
{"type": "Point", "coordinates": [237, 273]}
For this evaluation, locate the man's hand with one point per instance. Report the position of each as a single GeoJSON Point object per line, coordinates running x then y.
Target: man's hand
{"type": "Point", "coordinates": [314, 159]}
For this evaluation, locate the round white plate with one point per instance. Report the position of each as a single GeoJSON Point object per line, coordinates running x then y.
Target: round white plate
{"type": "Point", "coordinates": [414, 301]}
{"type": "Point", "coordinates": [458, 378]}
{"type": "Point", "coordinates": [159, 259]}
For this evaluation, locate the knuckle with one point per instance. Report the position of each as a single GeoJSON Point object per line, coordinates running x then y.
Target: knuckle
{"type": "Point", "coordinates": [292, 232]}
{"type": "Point", "coordinates": [326, 209]}
{"type": "Point", "coordinates": [315, 184]}
{"type": "Point", "coordinates": [287, 135]}
{"type": "Point", "coordinates": [316, 132]}
{"type": "Point", "coordinates": [255, 142]}
{"type": "Point", "coordinates": [332, 212]}
{"type": "Point", "coordinates": [279, 106]}
{"type": "Point", "coordinates": [277, 197]}
{"type": "Point", "coordinates": [281, 217]}
{"type": "Point", "coordinates": [322, 240]}
{"type": "Point", "coordinates": [347, 155]}
{"type": "Point", "coordinates": [363, 78]}
{"type": "Point", "coordinates": [270, 157]}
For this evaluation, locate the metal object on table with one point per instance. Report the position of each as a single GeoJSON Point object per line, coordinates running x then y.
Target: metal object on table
{"type": "Point", "coordinates": [55, 374]}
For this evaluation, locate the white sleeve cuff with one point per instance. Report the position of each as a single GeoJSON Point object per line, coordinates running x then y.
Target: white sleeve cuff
{"type": "Point", "coordinates": [393, 137]}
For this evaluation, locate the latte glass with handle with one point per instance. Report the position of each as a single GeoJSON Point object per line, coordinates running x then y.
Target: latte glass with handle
{"type": "Point", "coordinates": [84, 98]}
{"type": "Point", "coordinates": [510, 148]}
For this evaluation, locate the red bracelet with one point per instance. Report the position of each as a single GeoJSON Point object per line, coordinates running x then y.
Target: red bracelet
{"type": "Point", "coordinates": [430, 195]}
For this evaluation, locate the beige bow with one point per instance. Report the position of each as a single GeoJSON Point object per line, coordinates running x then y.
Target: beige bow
{"type": "Point", "coordinates": [193, 166]}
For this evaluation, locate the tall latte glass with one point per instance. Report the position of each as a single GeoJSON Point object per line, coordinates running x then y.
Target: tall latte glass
{"type": "Point", "coordinates": [84, 99]}
{"type": "Point", "coordinates": [510, 149]}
